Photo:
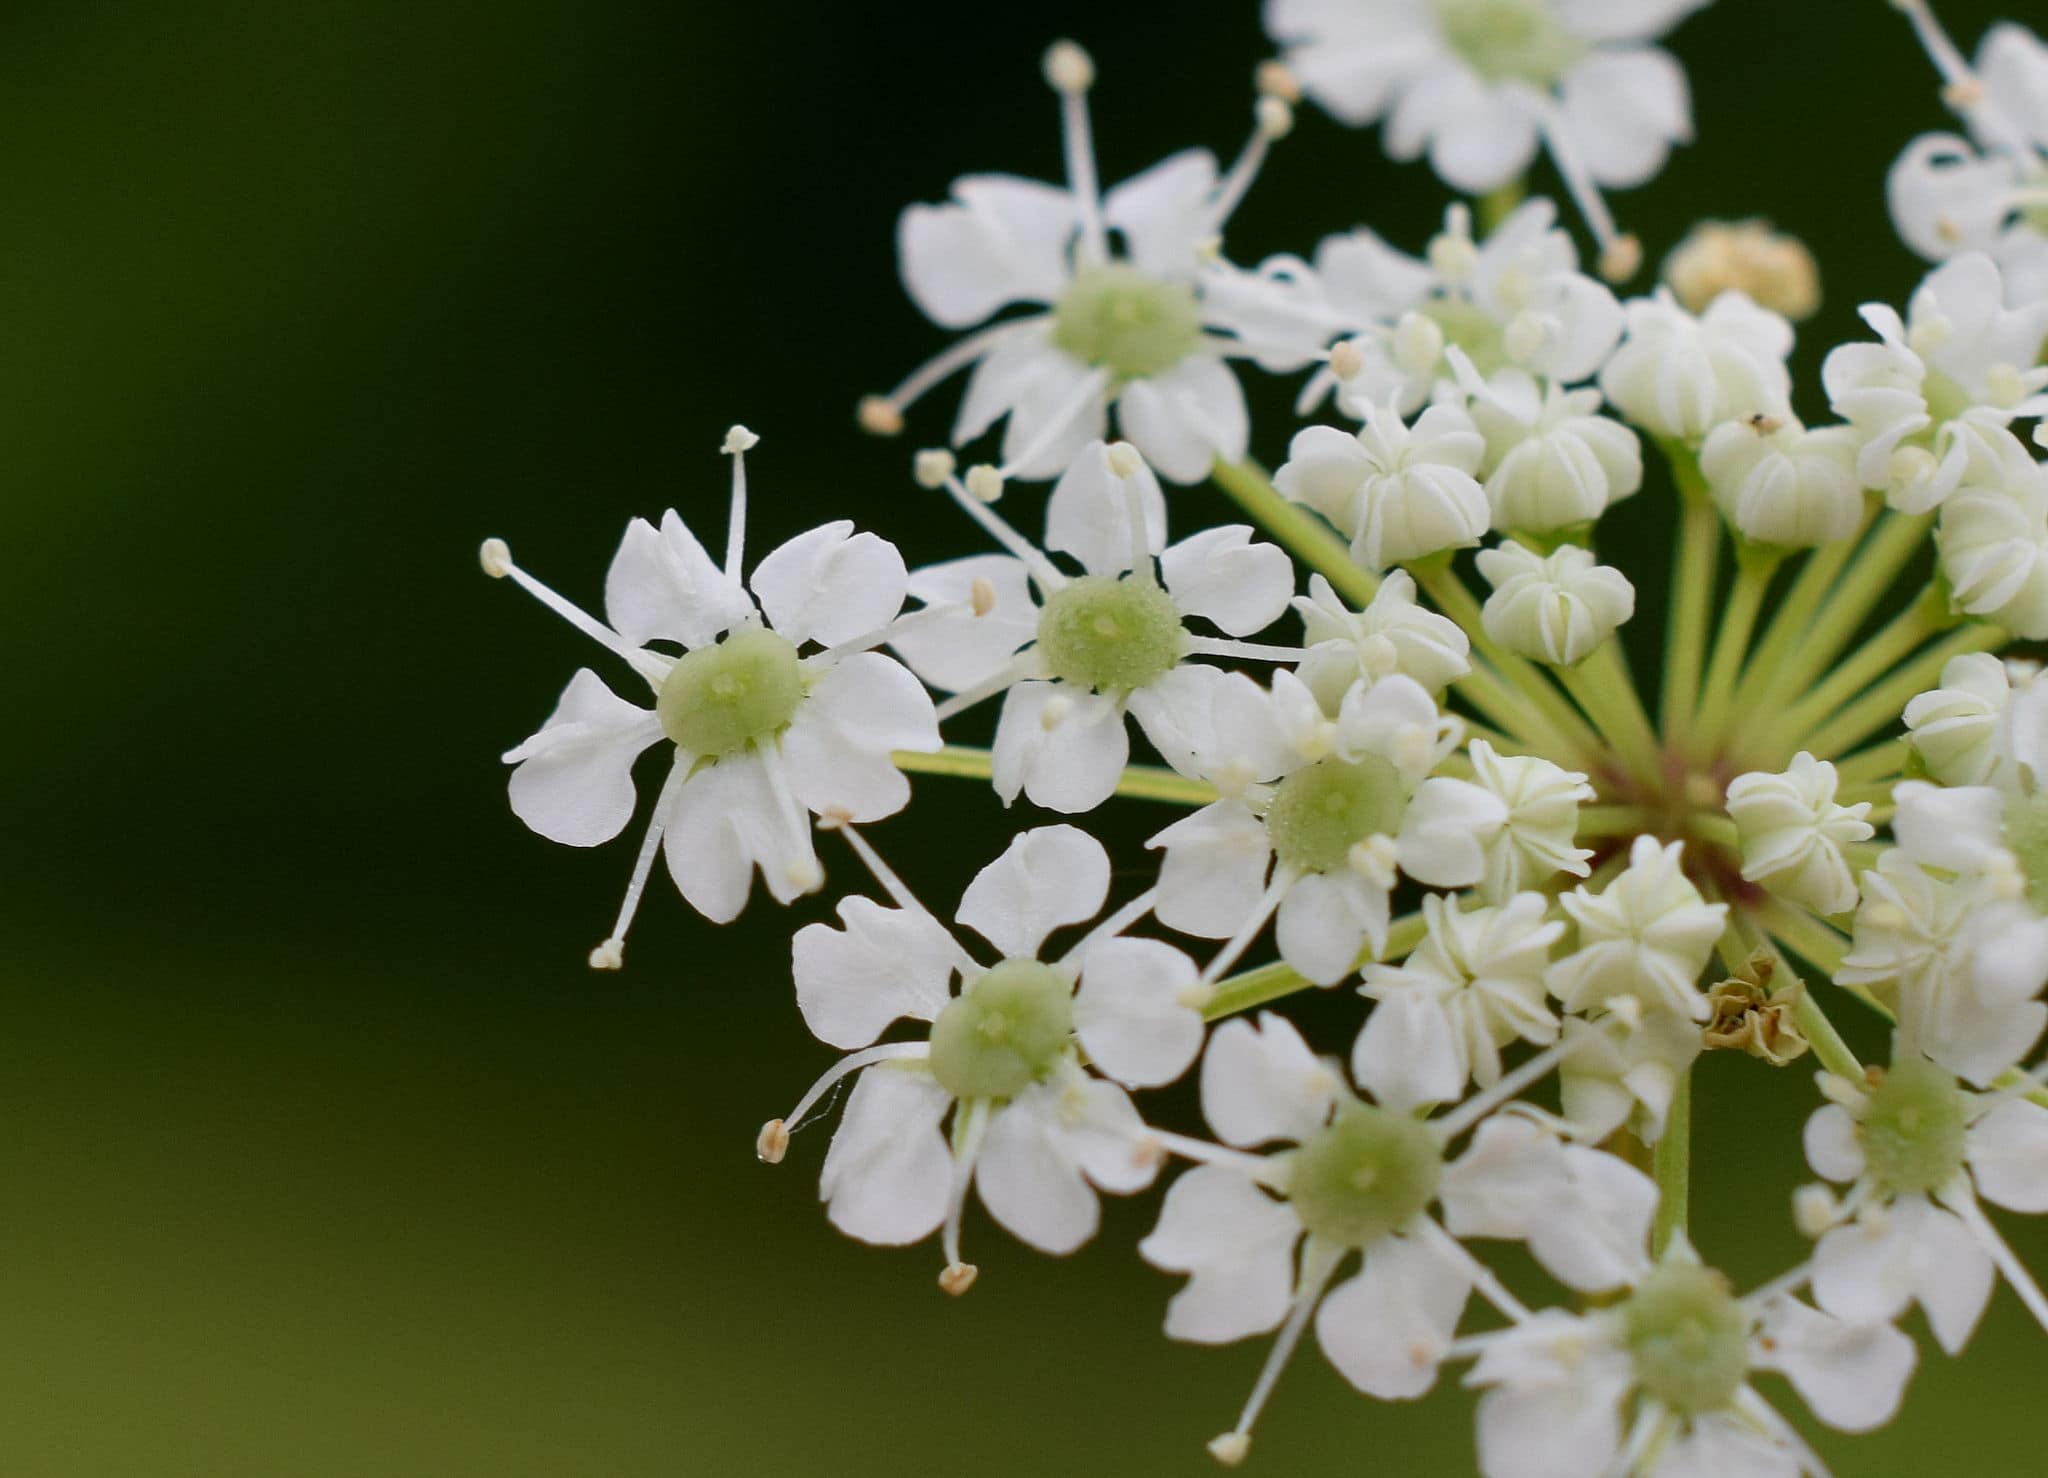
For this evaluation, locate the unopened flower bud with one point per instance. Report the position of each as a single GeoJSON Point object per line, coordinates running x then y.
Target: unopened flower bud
{"type": "Point", "coordinates": [1780, 483]}
{"type": "Point", "coordinates": [1774, 270]}
{"type": "Point", "coordinates": [1556, 608]}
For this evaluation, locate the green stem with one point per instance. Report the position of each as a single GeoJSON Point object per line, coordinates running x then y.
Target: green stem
{"type": "Point", "coordinates": [1754, 569]}
{"type": "Point", "coordinates": [1615, 821]}
{"type": "Point", "coordinates": [1671, 1164]}
{"type": "Point", "coordinates": [1602, 687]}
{"type": "Point", "coordinates": [1692, 592]}
{"type": "Point", "coordinates": [1879, 763]}
{"type": "Point", "coordinates": [1883, 705]}
{"type": "Point", "coordinates": [1146, 782]}
{"type": "Point", "coordinates": [1268, 983]}
{"type": "Point", "coordinates": [1529, 683]}
{"type": "Point", "coordinates": [1497, 204]}
{"type": "Point", "coordinates": [1898, 639]}
{"type": "Point", "coordinates": [1794, 617]}
{"type": "Point", "coordinates": [1300, 531]}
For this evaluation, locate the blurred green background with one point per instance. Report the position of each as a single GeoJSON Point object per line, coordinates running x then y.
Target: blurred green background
{"type": "Point", "coordinates": [323, 1153]}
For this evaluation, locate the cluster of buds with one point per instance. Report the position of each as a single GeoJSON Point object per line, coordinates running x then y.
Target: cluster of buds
{"type": "Point", "coordinates": [1549, 889]}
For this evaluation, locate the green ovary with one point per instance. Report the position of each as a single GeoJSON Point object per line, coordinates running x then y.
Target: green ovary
{"type": "Point", "coordinates": [1468, 326]}
{"type": "Point", "coordinates": [718, 700]}
{"type": "Point", "coordinates": [1509, 40]}
{"type": "Point", "coordinates": [1689, 1338]}
{"type": "Point", "coordinates": [1128, 323]}
{"type": "Point", "coordinates": [1108, 634]}
{"type": "Point", "coordinates": [1004, 1032]}
{"type": "Point", "coordinates": [2026, 834]}
{"type": "Point", "coordinates": [1368, 1174]}
{"type": "Point", "coordinates": [1913, 1128]}
{"type": "Point", "coordinates": [1320, 813]}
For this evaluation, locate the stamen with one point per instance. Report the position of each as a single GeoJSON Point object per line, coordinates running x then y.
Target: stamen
{"type": "Point", "coordinates": [496, 558]}
{"type": "Point", "coordinates": [2016, 1274]}
{"type": "Point", "coordinates": [1112, 926]}
{"type": "Point", "coordinates": [1078, 399]}
{"type": "Point", "coordinates": [1214, 646]}
{"type": "Point", "coordinates": [777, 1131]}
{"type": "Point", "coordinates": [1070, 73]}
{"type": "Point", "coordinates": [1125, 463]}
{"type": "Point", "coordinates": [1275, 79]}
{"type": "Point", "coordinates": [611, 954]}
{"type": "Point", "coordinates": [1043, 570]}
{"type": "Point", "coordinates": [1619, 256]}
{"type": "Point", "coordinates": [1477, 1107]}
{"type": "Point", "coordinates": [982, 691]}
{"type": "Point", "coordinates": [1272, 118]}
{"type": "Point", "coordinates": [1778, 1287]}
{"type": "Point", "coordinates": [1490, 1287]}
{"type": "Point", "coordinates": [958, 1276]}
{"type": "Point", "coordinates": [1653, 1424]}
{"type": "Point", "coordinates": [1258, 1169]}
{"type": "Point", "coordinates": [738, 442]}
{"type": "Point", "coordinates": [803, 873]}
{"type": "Point", "coordinates": [1760, 1411]}
{"type": "Point", "coordinates": [882, 415]}
{"type": "Point", "coordinates": [1318, 1261]}
{"type": "Point", "coordinates": [1238, 943]}
{"type": "Point", "coordinates": [899, 892]}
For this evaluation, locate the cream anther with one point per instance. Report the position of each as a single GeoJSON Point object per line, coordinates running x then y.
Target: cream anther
{"type": "Point", "coordinates": [772, 1143]}
{"type": "Point", "coordinates": [1068, 68]}
{"type": "Point", "coordinates": [739, 439]}
{"type": "Point", "coordinates": [496, 558]}
{"type": "Point", "coordinates": [984, 482]}
{"type": "Point", "coordinates": [958, 1277]}
{"type": "Point", "coordinates": [879, 416]}
{"type": "Point", "coordinates": [930, 468]}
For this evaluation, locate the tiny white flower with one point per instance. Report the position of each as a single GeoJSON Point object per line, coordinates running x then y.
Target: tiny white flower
{"type": "Point", "coordinates": [1792, 833]}
{"type": "Point", "coordinates": [1623, 1073]}
{"type": "Point", "coordinates": [1534, 841]}
{"type": "Point", "coordinates": [1956, 728]}
{"type": "Point", "coordinates": [1555, 608]}
{"type": "Point", "coordinates": [1356, 1177]}
{"type": "Point", "coordinates": [1648, 934]}
{"type": "Point", "coordinates": [1474, 985]}
{"type": "Point", "coordinates": [1397, 492]}
{"type": "Point", "coordinates": [1960, 358]}
{"type": "Point", "coordinates": [1031, 1129]}
{"type": "Point", "coordinates": [1679, 376]}
{"type": "Point", "coordinates": [1657, 1385]}
{"type": "Point", "coordinates": [1121, 318]}
{"type": "Point", "coordinates": [1393, 634]}
{"type": "Point", "coordinates": [1098, 647]}
{"type": "Point", "coordinates": [762, 736]}
{"type": "Point", "coordinates": [1917, 1151]}
{"type": "Point", "coordinates": [1551, 461]}
{"type": "Point", "coordinates": [1993, 534]}
{"type": "Point", "coordinates": [1479, 84]}
{"type": "Point", "coordinates": [1780, 483]}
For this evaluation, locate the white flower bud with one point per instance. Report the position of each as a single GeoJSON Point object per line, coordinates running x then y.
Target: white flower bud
{"type": "Point", "coordinates": [1392, 634]}
{"type": "Point", "coordinates": [1993, 539]}
{"type": "Point", "coordinates": [1955, 727]}
{"type": "Point", "coordinates": [1551, 461]}
{"type": "Point", "coordinates": [1648, 935]}
{"type": "Point", "coordinates": [1399, 492]}
{"type": "Point", "coordinates": [1774, 270]}
{"type": "Point", "coordinates": [1554, 608]}
{"type": "Point", "coordinates": [1680, 376]}
{"type": "Point", "coordinates": [1792, 833]}
{"type": "Point", "coordinates": [1780, 483]}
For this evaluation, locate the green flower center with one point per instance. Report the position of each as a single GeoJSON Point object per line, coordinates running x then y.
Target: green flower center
{"type": "Point", "coordinates": [1509, 40]}
{"type": "Point", "coordinates": [1130, 324]}
{"type": "Point", "coordinates": [1321, 812]}
{"type": "Point", "coordinates": [1946, 400]}
{"type": "Point", "coordinates": [720, 699]}
{"type": "Point", "coordinates": [2026, 834]}
{"type": "Point", "coordinates": [1468, 326]}
{"type": "Point", "coordinates": [1689, 1338]}
{"type": "Point", "coordinates": [1369, 1173]}
{"type": "Point", "coordinates": [1108, 634]}
{"type": "Point", "coordinates": [1913, 1128]}
{"type": "Point", "coordinates": [1004, 1032]}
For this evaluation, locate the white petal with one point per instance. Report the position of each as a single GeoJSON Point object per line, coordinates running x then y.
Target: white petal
{"type": "Point", "coordinates": [1089, 512]}
{"type": "Point", "coordinates": [1072, 765]}
{"type": "Point", "coordinates": [2008, 1150]}
{"type": "Point", "coordinates": [1623, 110]}
{"type": "Point", "coordinates": [1186, 419]}
{"type": "Point", "coordinates": [1163, 213]}
{"type": "Point", "coordinates": [1717, 1446]}
{"type": "Point", "coordinates": [1129, 1015]}
{"type": "Point", "coordinates": [831, 584]}
{"type": "Point", "coordinates": [1028, 1180]}
{"type": "Point", "coordinates": [1852, 1375]}
{"type": "Point", "coordinates": [574, 781]}
{"type": "Point", "coordinates": [663, 584]}
{"type": "Point", "coordinates": [1214, 870]}
{"type": "Point", "coordinates": [1047, 878]}
{"type": "Point", "coordinates": [1000, 240]}
{"type": "Point", "coordinates": [1408, 1053]}
{"type": "Point", "coordinates": [724, 820]}
{"type": "Point", "coordinates": [1262, 1083]}
{"type": "Point", "coordinates": [1386, 1330]}
{"type": "Point", "coordinates": [1326, 921]}
{"type": "Point", "coordinates": [1236, 1243]}
{"type": "Point", "coordinates": [1446, 830]}
{"type": "Point", "coordinates": [1225, 578]}
{"type": "Point", "coordinates": [837, 749]}
{"type": "Point", "coordinates": [1562, 1428]}
{"type": "Point", "coordinates": [887, 1175]}
{"type": "Point", "coordinates": [1832, 1146]}
{"type": "Point", "coordinates": [1177, 712]}
{"type": "Point", "coordinates": [886, 963]}
{"type": "Point", "coordinates": [953, 648]}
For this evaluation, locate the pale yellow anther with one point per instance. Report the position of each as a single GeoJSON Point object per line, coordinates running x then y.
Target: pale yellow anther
{"type": "Point", "coordinates": [1814, 1210]}
{"type": "Point", "coordinates": [958, 1277]}
{"type": "Point", "coordinates": [1621, 259]}
{"type": "Point", "coordinates": [981, 595]}
{"type": "Point", "coordinates": [1197, 997]}
{"type": "Point", "coordinates": [772, 1143]}
{"type": "Point", "coordinates": [931, 467]}
{"type": "Point", "coordinates": [1275, 117]}
{"type": "Point", "coordinates": [1068, 68]}
{"type": "Point", "coordinates": [1055, 712]}
{"type": "Point", "coordinates": [1125, 459]}
{"type": "Point", "coordinates": [496, 558]}
{"type": "Point", "coordinates": [1230, 1448]}
{"type": "Point", "coordinates": [739, 439]}
{"type": "Point", "coordinates": [805, 875]}
{"type": "Point", "coordinates": [879, 416]}
{"type": "Point", "coordinates": [1346, 360]}
{"type": "Point", "coordinates": [1148, 1153]}
{"type": "Point", "coordinates": [1275, 79]}
{"type": "Point", "coordinates": [984, 482]}
{"type": "Point", "coordinates": [610, 955]}
{"type": "Point", "coordinates": [1963, 94]}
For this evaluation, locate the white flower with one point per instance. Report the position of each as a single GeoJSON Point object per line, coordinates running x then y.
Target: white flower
{"type": "Point", "coordinates": [1477, 84]}
{"type": "Point", "coordinates": [1657, 1385]}
{"type": "Point", "coordinates": [1534, 840]}
{"type": "Point", "coordinates": [1516, 299]}
{"type": "Point", "coordinates": [1035, 1132]}
{"type": "Point", "coordinates": [1917, 1151]}
{"type": "Point", "coordinates": [1793, 833]}
{"type": "Point", "coordinates": [1125, 326]}
{"type": "Point", "coordinates": [1473, 985]}
{"type": "Point", "coordinates": [762, 736]}
{"type": "Point", "coordinates": [1623, 1071]}
{"type": "Point", "coordinates": [1321, 836]}
{"type": "Point", "coordinates": [1993, 534]}
{"type": "Point", "coordinates": [1109, 643]}
{"type": "Point", "coordinates": [1960, 358]}
{"type": "Point", "coordinates": [1956, 729]}
{"type": "Point", "coordinates": [1959, 959]}
{"type": "Point", "coordinates": [1780, 483]}
{"type": "Point", "coordinates": [1551, 461]}
{"type": "Point", "coordinates": [1680, 376]}
{"type": "Point", "coordinates": [1360, 1178]}
{"type": "Point", "coordinates": [1647, 935]}
{"type": "Point", "coordinates": [1397, 492]}
{"type": "Point", "coordinates": [1393, 634]}
{"type": "Point", "coordinates": [1555, 608]}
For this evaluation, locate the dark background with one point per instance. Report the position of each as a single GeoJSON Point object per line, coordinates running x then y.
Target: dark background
{"type": "Point", "coordinates": [322, 1152]}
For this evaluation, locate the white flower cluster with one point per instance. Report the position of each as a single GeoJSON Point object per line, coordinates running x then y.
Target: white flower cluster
{"type": "Point", "coordinates": [1553, 897]}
